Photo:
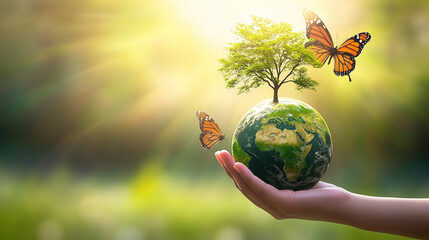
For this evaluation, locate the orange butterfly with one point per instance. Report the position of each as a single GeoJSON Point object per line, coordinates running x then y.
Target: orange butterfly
{"type": "Point", "coordinates": [322, 48]}
{"type": "Point", "coordinates": [210, 132]}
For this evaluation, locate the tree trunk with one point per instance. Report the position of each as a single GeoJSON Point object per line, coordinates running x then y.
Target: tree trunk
{"type": "Point", "coordinates": [276, 95]}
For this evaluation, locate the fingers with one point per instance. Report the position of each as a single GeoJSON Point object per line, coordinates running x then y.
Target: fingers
{"type": "Point", "coordinates": [227, 162]}
{"type": "Point", "coordinates": [321, 184]}
{"type": "Point", "coordinates": [281, 203]}
{"type": "Point", "coordinates": [219, 159]}
{"type": "Point", "coordinates": [270, 194]}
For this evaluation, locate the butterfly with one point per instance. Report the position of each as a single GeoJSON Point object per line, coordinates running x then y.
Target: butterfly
{"type": "Point", "coordinates": [210, 132]}
{"type": "Point", "coordinates": [323, 47]}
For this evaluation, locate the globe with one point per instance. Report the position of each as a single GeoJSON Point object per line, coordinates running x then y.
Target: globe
{"type": "Point", "coordinates": [286, 144]}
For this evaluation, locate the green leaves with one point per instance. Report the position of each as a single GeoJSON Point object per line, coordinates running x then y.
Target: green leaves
{"type": "Point", "coordinates": [303, 81]}
{"type": "Point", "coordinates": [267, 53]}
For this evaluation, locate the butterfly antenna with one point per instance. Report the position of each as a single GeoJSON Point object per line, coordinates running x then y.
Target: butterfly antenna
{"type": "Point", "coordinates": [350, 79]}
{"type": "Point", "coordinates": [336, 39]}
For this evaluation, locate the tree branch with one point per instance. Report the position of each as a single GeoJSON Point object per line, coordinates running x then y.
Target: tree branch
{"type": "Point", "coordinates": [286, 81]}
{"type": "Point", "coordinates": [291, 71]}
{"type": "Point", "coordinates": [270, 70]}
{"type": "Point", "coordinates": [264, 80]}
{"type": "Point", "coordinates": [271, 74]}
{"type": "Point", "coordinates": [281, 60]}
{"type": "Point", "coordinates": [276, 67]}
{"type": "Point", "coordinates": [285, 65]}
{"type": "Point", "coordinates": [271, 86]}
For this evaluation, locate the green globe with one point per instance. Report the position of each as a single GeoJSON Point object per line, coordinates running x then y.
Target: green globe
{"type": "Point", "coordinates": [287, 145]}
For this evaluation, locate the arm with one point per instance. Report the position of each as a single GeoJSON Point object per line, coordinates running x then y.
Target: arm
{"type": "Point", "coordinates": [327, 202]}
{"type": "Point", "coordinates": [402, 216]}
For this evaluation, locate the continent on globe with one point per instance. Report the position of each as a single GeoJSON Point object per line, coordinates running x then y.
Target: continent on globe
{"type": "Point", "coordinates": [286, 144]}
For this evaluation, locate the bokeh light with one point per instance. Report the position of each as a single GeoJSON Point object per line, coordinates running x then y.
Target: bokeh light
{"type": "Point", "coordinates": [99, 138]}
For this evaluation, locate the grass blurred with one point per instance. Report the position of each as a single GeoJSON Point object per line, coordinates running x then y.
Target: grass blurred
{"type": "Point", "coordinates": [153, 205]}
{"type": "Point", "coordinates": [98, 134]}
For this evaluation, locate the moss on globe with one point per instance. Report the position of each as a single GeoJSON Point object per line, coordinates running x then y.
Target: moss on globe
{"type": "Point", "coordinates": [287, 145]}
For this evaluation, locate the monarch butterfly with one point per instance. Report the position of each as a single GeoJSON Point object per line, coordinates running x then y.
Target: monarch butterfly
{"type": "Point", "coordinates": [322, 48]}
{"type": "Point", "coordinates": [210, 132]}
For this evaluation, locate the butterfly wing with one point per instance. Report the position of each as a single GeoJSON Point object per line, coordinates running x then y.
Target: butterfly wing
{"type": "Point", "coordinates": [207, 124]}
{"type": "Point", "coordinates": [210, 131]}
{"type": "Point", "coordinates": [345, 56]}
{"type": "Point", "coordinates": [355, 44]}
{"type": "Point", "coordinates": [344, 64]}
{"type": "Point", "coordinates": [320, 52]}
{"type": "Point", "coordinates": [209, 139]}
{"type": "Point", "coordinates": [316, 29]}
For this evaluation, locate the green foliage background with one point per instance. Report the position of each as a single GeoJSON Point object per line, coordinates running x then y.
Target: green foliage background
{"type": "Point", "coordinates": [98, 134]}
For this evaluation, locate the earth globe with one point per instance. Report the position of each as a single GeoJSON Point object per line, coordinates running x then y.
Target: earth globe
{"type": "Point", "coordinates": [286, 144]}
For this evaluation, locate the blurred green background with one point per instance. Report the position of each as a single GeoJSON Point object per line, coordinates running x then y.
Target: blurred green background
{"type": "Point", "coordinates": [98, 134]}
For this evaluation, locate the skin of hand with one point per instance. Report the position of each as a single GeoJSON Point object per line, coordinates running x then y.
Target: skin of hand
{"type": "Point", "coordinates": [283, 204]}
{"type": "Point", "coordinates": [327, 202]}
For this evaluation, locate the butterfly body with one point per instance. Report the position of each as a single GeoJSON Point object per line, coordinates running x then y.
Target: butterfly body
{"type": "Point", "coordinates": [332, 53]}
{"type": "Point", "coordinates": [323, 47]}
{"type": "Point", "coordinates": [210, 131]}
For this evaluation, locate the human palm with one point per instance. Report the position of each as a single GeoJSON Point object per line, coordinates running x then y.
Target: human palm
{"type": "Point", "coordinates": [327, 202]}
{"type": "Point", "coordinates": [281, 204]}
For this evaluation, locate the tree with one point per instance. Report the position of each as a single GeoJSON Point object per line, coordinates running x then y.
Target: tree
{"type": "Point", "coordinates": [267, 53]}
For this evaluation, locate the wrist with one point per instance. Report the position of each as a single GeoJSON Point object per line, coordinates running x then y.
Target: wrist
{"type": "Point", "coordinates": [326, 204]}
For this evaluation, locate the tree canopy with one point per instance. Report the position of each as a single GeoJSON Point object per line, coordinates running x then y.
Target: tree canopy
{"type": "Point", "coordinates": [267, 53]}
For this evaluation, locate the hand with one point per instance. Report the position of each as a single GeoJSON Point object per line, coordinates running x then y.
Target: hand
{"type": "Point", "coordinates": [313, 204]}
{"type": "Point", "coordinates": [326, 202]}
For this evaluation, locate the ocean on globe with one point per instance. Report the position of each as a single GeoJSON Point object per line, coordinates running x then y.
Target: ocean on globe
{"type": "Point", "coordinates": [287, 145]}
